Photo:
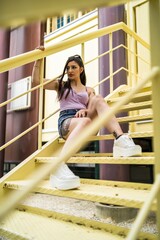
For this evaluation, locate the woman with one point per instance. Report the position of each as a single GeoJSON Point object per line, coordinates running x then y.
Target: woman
{"type": "Point", "coordinates": [78, 107]}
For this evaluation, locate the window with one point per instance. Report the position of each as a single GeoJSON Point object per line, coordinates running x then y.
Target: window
{"type": "Point", "coordinates": [60, 21]}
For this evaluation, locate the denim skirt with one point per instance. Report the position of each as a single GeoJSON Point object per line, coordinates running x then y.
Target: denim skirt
{"type": "Point", "coordinates": [65, 114]}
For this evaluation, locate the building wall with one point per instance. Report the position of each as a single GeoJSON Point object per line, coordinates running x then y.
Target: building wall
{"type": "Point", "coordinates": [4, 53]}
{"type": "Point", "coordinates": [22, 39]}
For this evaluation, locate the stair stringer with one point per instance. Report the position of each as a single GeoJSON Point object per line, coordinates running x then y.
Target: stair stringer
{"type": "Point", "coordinates": [115, 93]}
{"type": "Point", "coordinates": [28, 165]}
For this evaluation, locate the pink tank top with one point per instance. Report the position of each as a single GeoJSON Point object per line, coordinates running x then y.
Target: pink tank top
{"type": "Point", "coordinates": [74, 100]}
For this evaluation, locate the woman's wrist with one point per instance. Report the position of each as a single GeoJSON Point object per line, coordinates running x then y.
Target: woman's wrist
{"type": "Point", "coordinates": [37, 64]}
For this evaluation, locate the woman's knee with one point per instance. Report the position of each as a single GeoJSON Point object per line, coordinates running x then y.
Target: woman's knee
{"type": "Point", "coordinates": [97, 99]}
{"type": "Point", "coordinates": [85, 121]}
{"type": "Point", "coordinates": [80, 122]}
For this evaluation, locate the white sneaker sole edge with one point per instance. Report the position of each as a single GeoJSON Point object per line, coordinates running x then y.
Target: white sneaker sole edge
{"type": "Point", "coordinates": [66, 184]}
{"type": "Point", "coordinates": [127, 152]}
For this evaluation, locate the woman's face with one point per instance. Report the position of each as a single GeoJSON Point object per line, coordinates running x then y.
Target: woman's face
{"type": "Point", "coordinates": [74, 70]}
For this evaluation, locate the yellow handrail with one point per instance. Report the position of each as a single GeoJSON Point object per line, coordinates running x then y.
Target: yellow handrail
{"type": "Point", "coordinates": [144, 210]}
{"type": "Point", "coordinates": [6, 63]}
{"type": "Point", "coordinates": [26, 131]}
{"type": "Point", "coordinates": [34, 55]}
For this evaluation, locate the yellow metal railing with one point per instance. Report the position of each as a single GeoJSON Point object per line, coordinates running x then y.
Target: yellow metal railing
{"type": "Point", "coordinates": [41, 173]}
{"type": "Point", "coordinates": [37, 54]}
{"type": "Point", "coordinates": [25, 58]}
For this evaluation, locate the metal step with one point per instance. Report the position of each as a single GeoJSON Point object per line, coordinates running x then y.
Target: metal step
{"type": "Point", "coordinates": [88, 154]}
{"type": "Point", "coordinates": [29, 225]}
{"type": "Point", "coordinates": [142, 117]}
{"type": "Point", "coordinates": [139, 97]}
{"type": "Point", "coordinates": [110, 136]}
{"type": "Point", "coordinates": [126, 89]}
{"type": "Point", "coordinates": [136, 106]}
{"type": "Point", "coordinates": [99, 192]}
{"type": "Point", "coordinates": [101, 160]}
{"type": "Point", "coordinates": [34, 219]}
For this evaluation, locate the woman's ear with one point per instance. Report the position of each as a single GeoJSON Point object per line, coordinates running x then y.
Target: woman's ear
{"type": "Point", "coordinates": [82, 69]}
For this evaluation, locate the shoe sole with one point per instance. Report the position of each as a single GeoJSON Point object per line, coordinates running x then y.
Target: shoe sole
{"type": "Point", "coordinates": [66, 184]}
{"type": "Point", "coordinates": [127, 152]}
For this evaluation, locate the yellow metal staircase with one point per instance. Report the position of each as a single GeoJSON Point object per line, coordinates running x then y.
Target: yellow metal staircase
{"type": "Point", "coordinates": [28, 222]}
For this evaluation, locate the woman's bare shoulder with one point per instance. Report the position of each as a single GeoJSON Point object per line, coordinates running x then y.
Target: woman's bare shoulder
{"type": "Point", "coordinates": [90, 91]}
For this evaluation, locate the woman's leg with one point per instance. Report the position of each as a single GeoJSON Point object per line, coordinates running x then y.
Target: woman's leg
{"type": "Point", "coordinates": [123, 144]}
{"type": "Point", "coordinates": [63, 178]}
{"type": "Point", "coordinates": [97, 106]}
{"type": "Point", "coordinates": [73, 127]}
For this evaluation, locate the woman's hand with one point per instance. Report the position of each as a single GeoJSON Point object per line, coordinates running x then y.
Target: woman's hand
{"type": "Point", "coordinates": [42, 48]}
{"type": "Point", "coordinates": [81, 113]}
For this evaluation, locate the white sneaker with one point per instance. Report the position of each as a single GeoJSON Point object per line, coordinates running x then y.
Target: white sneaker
{"type": "Point", "coordinates": [64, 179]}
{"type": "Point", "coordinates": [125, 147]}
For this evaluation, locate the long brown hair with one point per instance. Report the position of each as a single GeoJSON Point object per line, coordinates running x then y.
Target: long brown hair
{"type": "Point", "coordinates": [63, 85]}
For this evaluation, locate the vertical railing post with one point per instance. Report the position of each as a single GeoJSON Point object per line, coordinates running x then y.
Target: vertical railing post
{"type": "Point", "coordinates": [154, 7]}
{"type": "Point", "coordinates": [40, 106]}
{"type": "Point", "coordinates": [111, 61]}
{"type": "Point", "coordinates": [83, 51]}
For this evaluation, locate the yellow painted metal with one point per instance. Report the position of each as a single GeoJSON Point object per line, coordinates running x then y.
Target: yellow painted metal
{"type": "Point", "coordinates": [110, 136]}
{"type": "Point", "coordinates": [111, 62]}
{"type": "Point", "coordinates": [31, 56]}
{"type": "Point", "coordinates": [129, 197]}
{"type": "Point", "coordinates": [17, 13]}
{"type": "Point", "coordinates": [18, 184]}
{"type": "Point", "coordinates": [136, 106]}
{"type": "Point", "coordinates": [134, 185]}
{"type": "Point", "coordinates": [26, 131]}
{"type": "Point", "coordinates": [28, 165]}
{"type": "Point", "coordinates": [134, 118]}
{"type": "Point", "coordinates": [32, 226]}
{"type": "Point", "coordinates": [94, 126]}
{"type": "Point", "coordinates": [77, 220]}
{"type": "Point", "coordinates": [156, 116]}
{"type": "Point", "coordinates": [45, 170]}
{"type": "Point", "coordinates": [40, 117]}
{"type": "Point", "coordinates": [40, 123]}
{"type": "Point", "coordinates": [145, 209]}
{"type": "Point", "coordinates": [102, 160]}
{"type": "Point", "coordinates": [110, 76]}
{"type": "Point", "coordinates": [139, 97]}
{"type": "Point", "coordinates": [111, 228]}
{"type": "Point", "coordinates": [154, 7]}
{"type": "Point", "coordinates": [86, 154]}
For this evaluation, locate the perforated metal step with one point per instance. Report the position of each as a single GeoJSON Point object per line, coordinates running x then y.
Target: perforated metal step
{"type": "Point", "coordinates": [27, 225]}
{"type": "Point", "coordinates": [94, 191]}
{"type": "Point", "coordinates": [102, 160]}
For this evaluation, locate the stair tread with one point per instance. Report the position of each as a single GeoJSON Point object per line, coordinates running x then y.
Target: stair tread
{"type": "Point", "coordinates": [133, 118]}
{"type": "Point", "coordinates": [31, 226]}
{"type": "Point", "coordinates": [101, 160]}
{"type": "Point", "coordinates": [127, 89]}
{"type": "Point", "coordinates": [143, 96]}
{"type": "Point", "coordinates": [125, 196]}
{"type": "Point", "coordinates": [136, 106]}
{"type": "Point", "coordinates": [110, 136]}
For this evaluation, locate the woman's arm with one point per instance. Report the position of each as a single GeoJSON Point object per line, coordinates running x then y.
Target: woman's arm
{"type": "Point", "coordinates": [36, 75]}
